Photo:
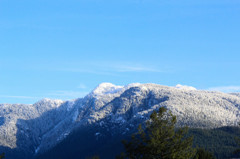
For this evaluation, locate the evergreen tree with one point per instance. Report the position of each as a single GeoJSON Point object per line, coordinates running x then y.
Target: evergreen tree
{"type": "Point", "coordinates": [94, 157]}
{"type": "Point", "coordinates": [203, 154]}
{"type": "Point", "coordinates": [237, 151]}
{"type": "Point", "coordinates": [160, 139]}
{"type": "Point", "coordinates": [2, 156]}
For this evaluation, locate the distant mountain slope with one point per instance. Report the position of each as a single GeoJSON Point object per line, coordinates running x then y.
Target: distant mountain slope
{"type": "Point", "coordinates": [92, 141]}
{"type": "Point", "coordinates": [39, 127]}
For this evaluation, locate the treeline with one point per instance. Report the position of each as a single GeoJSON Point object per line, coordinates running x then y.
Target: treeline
{"type": "Point", "coordinates": [220, 141]}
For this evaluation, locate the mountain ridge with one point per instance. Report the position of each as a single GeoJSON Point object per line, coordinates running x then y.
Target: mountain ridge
{"type": "Point", "coordinates": [47, 122]}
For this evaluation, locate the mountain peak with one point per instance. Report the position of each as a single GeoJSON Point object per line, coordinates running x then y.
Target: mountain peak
{"type": "Point", "coordinates": [184, 87]}
{"type": "Point", "coordinates": [109, 88]}
{"type": "Point", "coordinates": [50, 101]}
{"type": "Point", "coordinates": [106, 88]}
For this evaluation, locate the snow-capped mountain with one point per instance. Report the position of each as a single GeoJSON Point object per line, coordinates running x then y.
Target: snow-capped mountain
{"type": "Point", "coordinates": [38, 127]}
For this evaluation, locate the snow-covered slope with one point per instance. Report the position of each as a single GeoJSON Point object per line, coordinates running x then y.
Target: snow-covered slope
{"type": "Point", "coordinates": [38, 127]}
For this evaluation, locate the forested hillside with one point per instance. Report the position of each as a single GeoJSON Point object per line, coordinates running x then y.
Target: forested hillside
{"type": "Point", "coordinates": [85, 143]}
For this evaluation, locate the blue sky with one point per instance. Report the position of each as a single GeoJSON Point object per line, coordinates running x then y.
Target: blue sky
{"type": "Point", "coordinates": [63, 49]}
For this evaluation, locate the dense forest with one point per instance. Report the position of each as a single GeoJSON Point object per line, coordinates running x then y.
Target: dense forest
{"type": "Point", "coordinates": [220, 141]}
{"type": "Point", "coordinates": [84, 143]}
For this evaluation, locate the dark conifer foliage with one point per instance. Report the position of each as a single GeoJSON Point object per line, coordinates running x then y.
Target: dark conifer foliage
{"type": "Point", "coordinates": [93, 157]}
{"type": "Point", "coordinates": [220, 141]}
{"type": "Point", "coordinates": [2, 156]}
{"type": "Point", "coordinates": [203, 154]}
{"type": "Point", "coordinates": [83, 143]}
{"type": "Point", "coordinates": [160, 139]}
{"type": "Point", "coordinates": [237, 151]}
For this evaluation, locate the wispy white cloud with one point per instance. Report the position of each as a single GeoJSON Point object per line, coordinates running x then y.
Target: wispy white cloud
{"type": "Point", "coordinates": [67, 94]}
{"type": "Point", "coordinates": [109, 68]}
{"type": "Point", "coordinates": [82, 86]}
{"type": "Point", "coordinates": [64, 95]}
{"type": "Point", "coordinates": [226, 89]}
{"type": "Point", "coordinates": [88, 70]}
{"type": "Point", "coordinates": [135, 69]}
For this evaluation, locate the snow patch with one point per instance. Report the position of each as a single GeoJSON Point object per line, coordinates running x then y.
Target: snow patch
{"type": "Point", "coordinates": [75, 116]}
{"type": "Point", "coordinates": [106, 88]}
{"type": "Point", "coordinates": [98, 133]}
{"type": "Point", "coordinates": [184, 87]}
{"type": "Point", "coordinates": [109, 88]}
{"type": "Point", "coordinates": [70, 105]}
{"type": "Point", "coordinates": [37, 149]}
{"type": "Point", "coordinates": [132, 85]}
{"type": "Point", "coordinates": [55, 102]}
{"type": "Point", "coordinates": [101, 123]}
{"type": "Point", "coordinates": [120, 120]}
